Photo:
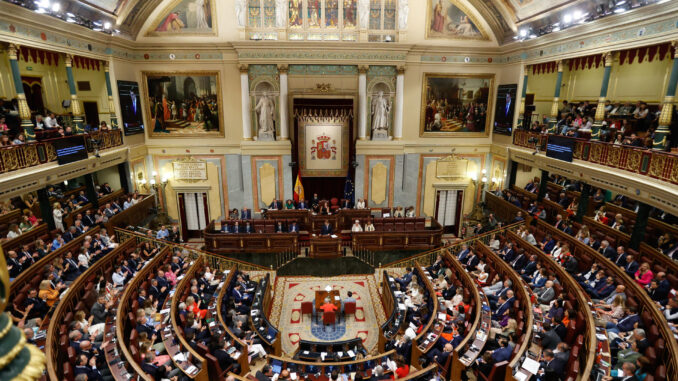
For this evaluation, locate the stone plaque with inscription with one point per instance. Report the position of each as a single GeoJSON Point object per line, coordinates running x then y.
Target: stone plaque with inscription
{"type": "Point", "coordinates": [451, 167]}
{"type": "Point", "coordinates": [190, 170]}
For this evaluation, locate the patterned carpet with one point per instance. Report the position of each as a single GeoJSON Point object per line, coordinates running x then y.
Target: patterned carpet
{"type": "Point", "coordinates": [286, 311]}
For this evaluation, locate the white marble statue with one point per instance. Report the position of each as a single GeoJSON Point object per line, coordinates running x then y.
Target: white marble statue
{"type": "Point", "coordinates": [381, 107]}
{"type": "Point", "coordinates": [364, 13]}
{"type": "Point", "coordinates": [241, 12]}
{"type": "Point", "coordinates": [281, 13]}
{"type": "Point", "coordinates": [265, 110]}
{"type": "Point", "coordinates": [403, 11]}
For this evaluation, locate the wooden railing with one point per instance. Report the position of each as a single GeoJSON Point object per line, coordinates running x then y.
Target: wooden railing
{"type": "Point", "coordinates": [27, 237]}
{"type": "Point", "coordinates": [655, 164]}
{"type": "Point", "coordinates": [13, 158]}
{"type": "Point", "coordinates": [133, 215]}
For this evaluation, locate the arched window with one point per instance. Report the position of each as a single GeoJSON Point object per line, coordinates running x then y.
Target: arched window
{"type": "Point", "coordinates": [322, 20]}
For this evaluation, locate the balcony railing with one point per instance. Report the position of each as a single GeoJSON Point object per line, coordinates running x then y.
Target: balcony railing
{"type": "Point", "coordinates": [656, 164]}
{"type": "Point", "coordinates": [14, 158]}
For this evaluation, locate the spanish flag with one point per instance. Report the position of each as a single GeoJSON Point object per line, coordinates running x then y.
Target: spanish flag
{"type": "Point", "coordinates": [298, 190]}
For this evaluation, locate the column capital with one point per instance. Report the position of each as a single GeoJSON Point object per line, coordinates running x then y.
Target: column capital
{"type": "Point", "coordinates": [13, 51]}
{"type": "Point", "coordinates": [674, 44]}
{"type": "Point", "coordinates": [400, 69]}
{"type": "Point", "coordinates": [107, 66]}
{"type": "Point", "coordinates": [244, 68]}
{"type": "Point", "coordinates": [560, 65]}
{"type": "Point", "coordinates": [69, 60]}
{"type": "Point", "coordinates": [362, 69]}
{"type": "Point", "coordinates": [609, 58]}
{"type": "Point", "coordinates": [283, 68]}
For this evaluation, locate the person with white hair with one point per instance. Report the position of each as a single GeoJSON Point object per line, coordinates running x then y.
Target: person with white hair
{"type": "Point", "coordinates": [356, 227]}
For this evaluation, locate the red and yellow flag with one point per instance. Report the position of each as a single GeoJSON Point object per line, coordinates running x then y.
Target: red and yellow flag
{"type": "Point", "coordinates": [298, 190]}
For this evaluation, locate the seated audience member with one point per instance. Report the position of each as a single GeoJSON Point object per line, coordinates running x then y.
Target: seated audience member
{"type": "Point", "coordinates": [369, 226]}
{"type": "Point", "coordinates": [294, 228]}
{"type": "Point", "coordinates": [551, 367]}
{"type": "Point", "coordinates": [360, 204]}
{"type": "Point", "coordinates": [627, 373]}
{"type": "Point", "coordinates": [234, 214]}
{"type": "Point", "coordinates": [247, 228]}
{"type": "Point", "coordinates": [279, 228]}
{"type": "Point", "coordinates": [246, 214]}
{"type": "Point", "coordinates": [356, 227]}
{"type": "Point", "coordinates": [643, 275]}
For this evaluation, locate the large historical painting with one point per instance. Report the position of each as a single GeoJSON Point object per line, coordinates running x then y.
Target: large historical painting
{"type": "Point", "coordinates": [183, 104]}
{"type": "Point", "coordinates": [456, 104]}
{"type": "Point", "coordinates": [450, 19]}
{"type": "Point", "coordinates": [323, 144]}
{"type": "Point", "coordinates": [188, 16]}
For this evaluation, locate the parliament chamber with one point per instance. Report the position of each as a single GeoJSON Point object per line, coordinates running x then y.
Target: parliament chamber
{"type": "Point", "coordinates": [266, 190]}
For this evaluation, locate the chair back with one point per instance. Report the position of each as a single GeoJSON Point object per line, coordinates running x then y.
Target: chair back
{"type": "Point", "coordinates": [349, 308]}
{"type": "Point", "coordinates": [329, 317]}
{"type": "Point", "coordinates": [306, 307]}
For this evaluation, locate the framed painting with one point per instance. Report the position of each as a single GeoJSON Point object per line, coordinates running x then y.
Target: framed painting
{"type": "Point", "coordinates": [450, 19]}
{"type": "Point", "coordinates": [456, 105]}
{"type": "Point", "coordinates": [191, 17]}
{"type": "Point", "coordinates": [185, 104]}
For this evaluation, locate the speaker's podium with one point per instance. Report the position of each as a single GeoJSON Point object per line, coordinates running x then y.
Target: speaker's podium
{"type": "Point", "coordinates": [325, 246]}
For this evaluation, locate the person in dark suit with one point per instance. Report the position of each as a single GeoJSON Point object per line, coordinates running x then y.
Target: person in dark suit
{"type": "Point", "coordinates": [246, 214]}
{"type": "Point", "coordinates": [631, 266]}
{"type": "Point", "coordinates": [627, 373]}
{"type": "Point", "coordinates": [471, 262]}
{"type": "Point", "coordinates": [552, 367]}
{"type": "Point", "coordinates": [519, 262]}
{"type": "Point", "coordinates": [529, 268]}
{"type": "Point", "coordinates": [264, 374]}
{"type": "Point", "coordinates": [106, 189]}
{"type": "Point", "coordinates": [607, 250]}
{"type": "Point", "coordinates": [279, 228]}
{"type": "Point", "coordinates": [82, 199]}
{"type": "Point", "coordinates": [620, 258]}
{"type": "Point", "coordinates": [346, 204]}
{"type": "Point", "coordinates": [463, 253]}
{"type": "Point", "coordinates": [439, 356]}
{"type": "Point", "coordinates": [247, 228]}
{"type": "Point", "coordinates": [293, 227]}
{"type": "Point", "coordinates": [503, 305]}
{"type": "Point", "coordinates": [549, 338]}
{"type": "Point", "coordinates": [225, 360]}
{"type": "Point", "coordinates": [326, 228]}
{"type": "Point", "coordinates": [503, 353]}
{"type": "Point", "coordinates": [625, 324]}
{"type": "Point", "coordinates": [302, 204]}
{"type": "Point", "coordinates": [235, 228]}
{"type": "Point", "coordinates": [88, 219]}
{"type": "Point", "coordinates": [156, 372]}
{"type": "Point", "coordinates": [275, 205]}
{"type": "Point", "coordinates": [87, 366]}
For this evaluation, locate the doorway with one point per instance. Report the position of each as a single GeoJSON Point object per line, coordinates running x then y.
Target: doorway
{"type": "Point", "coordinates": [448, 210]}
{"type": "Point", "coordinates": [33, 90]}
{"type": "Point", "coordinates": [193, 214]}
{"type": "Point", "coordinates": [91, 114]}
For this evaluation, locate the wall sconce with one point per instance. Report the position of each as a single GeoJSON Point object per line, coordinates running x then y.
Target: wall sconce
{"type": "Point", "coordinates": [143, 184]}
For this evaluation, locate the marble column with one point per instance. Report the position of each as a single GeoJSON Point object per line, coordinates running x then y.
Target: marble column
{"type": "Point", "coordinates": [661, 135]}
{"type": "Point", "coordinates": [362, 105]}
{"type": "Point", "coordinates": [24, 111]}
{"type": "Point", "coordinates": [75, 104]}
{"type": "Point", "coordinates": [600, 109]}
{"type": "Point", "coordinates": [109, 91]}
{"type": "Point", "coordinates": [400, 93]}
{"type": "Point", "coordinates": [521, 116]}
{"type": "Point", "coordinates": [284, 118]}
{"type": "Point", "coordinates": [556, 98]}
{"type": "Point", "coordinates": [245, 100]}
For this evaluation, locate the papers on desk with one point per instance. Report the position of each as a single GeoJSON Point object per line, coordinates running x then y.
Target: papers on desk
{"type": "Point", "coordinates": [179, 357]}
{"type": "Point", "coordinates": [333, 235]}
{"type": "Point", "coordinates": [191, 370]}
{"type": "Point", "coordinates": [351, 353]}
{"type": "Point", "coordinates": [401, 306]}
{"type": "Point", "coordinates": [180, 277]}
{"type": "Point", "coordinates": [391, 365]}
{"type": "Point", "coordinates": [601, 337]}
{"type": "Point", "coordinates": [530, 365]}
{"type": "Point", "coordinates": [520, 376]}
{"type": "Point", "coordinates": [480, 336]}
{"type": "Point", "coordinates": [442, 316]}
{"type": "Point", "coordinates": [323, 355]}
{"type": "Point", "coordinates": [392, 280]}
{"type": "Point", "coordinates": [336, 297]}
{"type": "Point", "coordinates": [165, 311]}
{"type": "Point", "coordinates": [226, 272]}
{"type": "Point", "coordinates": [397, 293]}
{"type": "Point", "coordinates": [293, 376]}
{"type": "Point", "coordinates": [306, 352]}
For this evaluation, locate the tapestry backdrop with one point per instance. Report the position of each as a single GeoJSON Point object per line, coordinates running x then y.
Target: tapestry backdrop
{"type": "Point", "coordinates": [323, 143]}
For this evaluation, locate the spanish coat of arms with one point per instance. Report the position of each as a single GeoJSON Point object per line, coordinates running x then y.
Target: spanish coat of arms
{"type": "Point", "coordinates": [323, 148]}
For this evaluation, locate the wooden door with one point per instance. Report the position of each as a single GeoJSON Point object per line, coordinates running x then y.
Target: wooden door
{"type": "Point", "coordinates": [448, 210]}
{"type": "Point", "coordinates": [193, 214]}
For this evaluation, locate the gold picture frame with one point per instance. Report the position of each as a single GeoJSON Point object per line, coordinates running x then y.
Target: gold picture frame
{"type": "Point", "coordinates": [434, 84]}
{"type": "Point", "coordinates": [153, 32]}
{"type": "Point", "coordinates": [432, 35]}
{"type": "Point", "coordinates": [150, 120]}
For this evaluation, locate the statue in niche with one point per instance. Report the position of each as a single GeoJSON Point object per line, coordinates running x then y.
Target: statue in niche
{"type": "Point", "coordinates": [403, 11]}
{"type": "Point", "coordinates": [281, 13]}
{"type": "Point", "coordinates": [381, 108]}
{"type": "Point", "coordinates": [265, 110]}
{"type": "Point", "coordinates": [240, 12]}
{"type": "Point", "coordinates": [364, 13]}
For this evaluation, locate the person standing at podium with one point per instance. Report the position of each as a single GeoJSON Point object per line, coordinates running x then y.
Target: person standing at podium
{"type": "Point", "coordinates": [328, 306]}
{"type": "Point", "coordinates": [326, 229]}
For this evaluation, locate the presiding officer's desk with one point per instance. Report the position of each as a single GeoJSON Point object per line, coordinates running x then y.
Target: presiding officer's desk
{"type": "Point", "coordinates": [264, 241]}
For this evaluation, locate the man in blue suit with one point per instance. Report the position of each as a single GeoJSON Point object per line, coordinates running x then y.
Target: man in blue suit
{"type": "Point", "coordinates": [503, 353]}
{"type": "Point", "coordinates": [82, 199]}
{"type": "Point", "coordinates": [529, 268]}
{"type": "Point", "coordinates": [294, 228]}
{"type": "Point", "coordinates": [625, 324]}
{"type": "Point", "coordinates": [553, 367]}
{"type": "Point", "coordinates": [507, 253]}
{"type": "Point", "coordinates": [631, 266]}
{"type": "Point", "coordinates": [463, 253]}
{"type": "Point", "coordinates": [326, 228]}
{"type": "Point", "coordinates": [620, 259]}
{"type": "Point", "coordinates": [405, 279]}
{"type": "Point", "coordinates": [248, 228]}
{"type": "Point", "coordinates": [246, 214]}
{"type": "Point", "coordinates": [302, 204]}
{"type": "Point", "coordinates": [606, 250]}
{"type": "Point", "coordinates": [519, 262]}
{"type": "Point", "coordinates": [547, 243]}
{"type": "Point", "coordinates": [235, 228]}
{"type": "Point", "coordinates": [503, 305]}
{"type": "Point", "coordinates": [276, 205]}
{"type": "Point", "coordinates": [471, 261]}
